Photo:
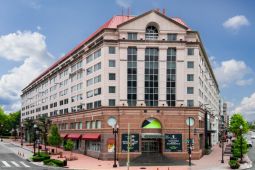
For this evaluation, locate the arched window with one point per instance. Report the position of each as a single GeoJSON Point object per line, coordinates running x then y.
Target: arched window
{"type": "Point", "coordinates": [151, 123]}
{"type": "Point", "coordinates": [151, 33]}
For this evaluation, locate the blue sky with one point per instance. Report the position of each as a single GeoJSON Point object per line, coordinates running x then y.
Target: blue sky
{"type": "Point", "coordinates": [54, 27]}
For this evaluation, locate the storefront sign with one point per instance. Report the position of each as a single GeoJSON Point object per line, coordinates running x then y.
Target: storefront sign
{"type": "Point", "coordinates": [173, 142]}
{"type": "Point", "coordinates": [134, 143]}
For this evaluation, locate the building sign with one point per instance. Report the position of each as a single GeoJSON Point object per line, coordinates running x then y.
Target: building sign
{"type": "Point", "coordinates": [134, 143]}
{"type": "Point", "coordinates": [173, 142]}
{"type": "Point", "coordinates": [152, 136]}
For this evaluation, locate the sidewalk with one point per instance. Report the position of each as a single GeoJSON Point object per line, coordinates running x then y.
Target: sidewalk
{"type": "Point", "coordinates": [207, 162]}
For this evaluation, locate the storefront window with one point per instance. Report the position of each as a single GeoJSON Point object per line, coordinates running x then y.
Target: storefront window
{"type": "Point", "coordinates": [94, 146]}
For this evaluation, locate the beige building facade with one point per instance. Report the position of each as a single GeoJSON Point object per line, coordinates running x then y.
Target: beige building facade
{"type": "Point", "coordinates": [150, 71]}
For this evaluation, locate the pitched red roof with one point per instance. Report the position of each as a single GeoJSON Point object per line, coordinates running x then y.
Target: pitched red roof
{"type": "Point", "coordinates": [112, 23]}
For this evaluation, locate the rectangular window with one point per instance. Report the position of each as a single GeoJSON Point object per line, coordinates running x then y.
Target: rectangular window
{"type": "Point", "coordinates": [190, 103]}
{"type": "Point", "coordinates": [89, 70]}
{"type": "Point", "coordinates": [151, 76]}
{"type": "Point", "coordinates": [97, 54]}
{"type": "Point", "coordinates": [97, 79]}
{"type": "Point", "coordinates": [97, 104]}
{"type": "Point", "coordinates": [98, 124]}
{"type": "Point", "coordinates": [171, 37]}
{"type": "Point", "coordinates": [89, 58]}
{"type": "Point", "coordinates": [190, 77]}
{"type": "Point", "coordinates": [90, 94]}
{"type": "Point", "coordinates": [112, 63]}
{"type": "Point", "coordinates": [112, 50]}
{"type": "Point", "coordinates": [112, 76]}
{"type": "Point", "coordinates": [132, 76]}
{"type": "Point", "coordinates": [132, 36]}
{"type": "Point", "coordinates": [97, 66]}
{"type": "Point", "coordinates": [112, 89]}
{"type": "Point", "coordinates": [111, 102]}
{"type": "Point", "coordinates": [90, 82]}
{"type": "Point", "coordinates": [93, 124]}
{"type": "Point", "coordinates": [190, 51]}
{"type": "Point", "coordinates": [190, 90]}
{"type": "Point", "coordinates": [89, 105]}
{"type": "Point", "coordinates": [97, 91]}
{"type": "Point", "coordinates": [190, 64]}
{"type": "Point", "coordinates": [88, 123]}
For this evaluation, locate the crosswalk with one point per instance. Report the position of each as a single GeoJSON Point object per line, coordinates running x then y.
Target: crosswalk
{"type": "Point", "coordinates": [10, 164]}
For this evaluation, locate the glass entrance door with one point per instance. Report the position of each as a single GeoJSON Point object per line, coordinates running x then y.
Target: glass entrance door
{"type": "Point", "coordinates": [151, 145]}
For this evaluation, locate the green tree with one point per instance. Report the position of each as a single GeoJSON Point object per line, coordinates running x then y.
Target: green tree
{"type": "Point", "coordinates": [237, 147]}
{"type": "Point", "coordinates": [29, 127]}
{"type": "Point", "coordinates": [235, 122]}
{"type": "Point", "coordinates": [44, 124]}
{"type": "Point", "coordinates": [69, 147]}
{"type": "Point", "coordinates": [54, 137]}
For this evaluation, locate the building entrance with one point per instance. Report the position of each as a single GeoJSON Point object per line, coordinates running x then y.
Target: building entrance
{"type": "Point", "coordinates": [151, 145]}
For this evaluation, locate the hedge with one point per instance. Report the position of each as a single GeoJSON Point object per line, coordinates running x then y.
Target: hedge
{"type": "Point", "coordinates": [54, 162]}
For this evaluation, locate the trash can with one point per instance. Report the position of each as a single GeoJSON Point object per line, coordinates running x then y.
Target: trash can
{"type": "Point", "coordinates": [65, 162]}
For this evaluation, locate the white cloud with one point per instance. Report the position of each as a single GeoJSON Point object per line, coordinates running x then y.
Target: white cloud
{"type": "Point", "coordinates": [236, 22]}
{"type": "Point", "coordinates": [247, 105]}
{"type": "Point", "coordinates": [30, 49]}
{"type": "Point", "coordinates": [123, 3]}
{"type": "Point", "coordinates": [233, 72]}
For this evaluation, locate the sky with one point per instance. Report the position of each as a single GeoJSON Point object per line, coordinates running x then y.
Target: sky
{"type": "Point", "coordinates": [35, 33]}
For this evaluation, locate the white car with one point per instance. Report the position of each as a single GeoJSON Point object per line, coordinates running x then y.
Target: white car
{"type": "Point", "coordinates": [249, 143]}
{"type": "Point", "coordinates": [253, 137]}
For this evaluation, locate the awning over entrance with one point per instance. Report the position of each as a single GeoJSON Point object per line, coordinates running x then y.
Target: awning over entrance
{"type": "Point", "coordinates": [91, 136]}
{"type": "Point", "coordinates": [152, 135]}
{"type": "Point", "coordinates": [73, 136]}
{"type": "Point", "coordinates": [63, 135]}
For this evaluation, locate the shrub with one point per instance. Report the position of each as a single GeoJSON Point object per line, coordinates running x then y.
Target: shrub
{"type": "Point", "coordinates": [233, 158]}
{"type": "Point", "coordinates": [40, 157]}
{"type": "Point", "coordinates": [54, 162]}
{"type": "Point", "coordinates": [234, 164]}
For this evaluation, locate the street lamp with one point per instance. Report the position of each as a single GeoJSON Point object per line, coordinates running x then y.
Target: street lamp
{"type": "Point", "coordinates": [241, 128]}
{"type": "Point", "coordinates": [35, 127]}
{"type": "Point", "coordinates": [2, 132]}
{"type": "Point", "coordinates": [222, 142]}
{"type": "Point", "coordinates": [115, 130]}
{"type": "Point", "coordinates": [21, 137]}
{"type": "Point", "coordinates": [190, 122]}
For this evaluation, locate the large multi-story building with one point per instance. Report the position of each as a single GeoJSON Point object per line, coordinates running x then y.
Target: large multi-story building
{"type": "Point", "coordinates": [150, 71]}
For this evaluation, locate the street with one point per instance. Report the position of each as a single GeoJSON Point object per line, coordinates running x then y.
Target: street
{"type": "Point", "coordinates": [251, 152]}
{"type": "Point", "coordinates": [10, 161]}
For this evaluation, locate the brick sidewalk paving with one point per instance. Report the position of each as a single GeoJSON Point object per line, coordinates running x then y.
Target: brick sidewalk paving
{"type": "Point", "coordinates": [207, 162]}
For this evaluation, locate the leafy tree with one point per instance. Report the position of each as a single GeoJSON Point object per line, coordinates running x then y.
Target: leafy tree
{"type": "Point", "coordinates": [235, 122]}
{"type": "Point", "coordinates": [44, 124]}
{"type": "Point", "coordinates": [237, 147]}
{"type": "Point", "coordinates": [29, 126]}
{"type": "Point", "coordinates": [69, 147]}
{"type": "Point", "coordinates": [54, 137]}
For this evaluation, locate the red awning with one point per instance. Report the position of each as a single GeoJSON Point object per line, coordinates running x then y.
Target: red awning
{"type": "Point", "coordinates": [63, 135]}
{"type": "Point", "coordinates": [73, 136]}
{"type": "Point", "coordinates": [91, 136]}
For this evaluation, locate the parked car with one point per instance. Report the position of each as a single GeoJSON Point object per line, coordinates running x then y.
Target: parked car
{"type": "Point", "coordinates": [253, 137]}
{"type": "Point", "coordinates": [249, 143]}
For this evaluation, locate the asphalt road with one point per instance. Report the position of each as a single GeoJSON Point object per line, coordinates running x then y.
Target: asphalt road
{"type": "Point", "coordinates": [10, 161]}
{"type": "Point", "coordinates": [251, 152]}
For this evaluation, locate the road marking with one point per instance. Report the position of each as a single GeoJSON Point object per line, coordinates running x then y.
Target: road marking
{"type": "Point", "coordinates": [14, 163]}
{"type": "Point", "coordinates": [6, 164]}
{"type": "Point", "coordinates": [25, 165]}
